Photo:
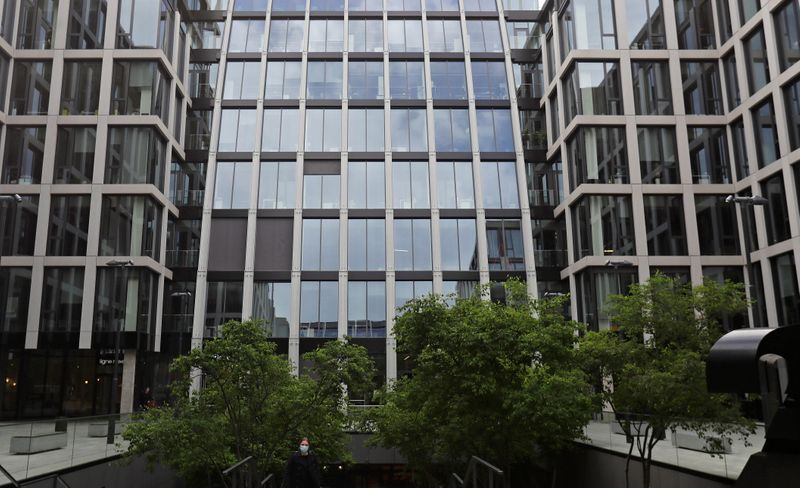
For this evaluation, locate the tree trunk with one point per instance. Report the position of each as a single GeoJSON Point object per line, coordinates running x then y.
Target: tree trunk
{"type": "Point", "coordinates": [645, 473]}
{"type": "Point", "coordinates": [628, 465]}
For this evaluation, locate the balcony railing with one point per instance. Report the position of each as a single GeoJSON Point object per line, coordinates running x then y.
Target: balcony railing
{"type": "Point", "coordinates": [182, 258]}
{"type": "Point", "coordinates": [550, 258]}
{"type": "Point", "coordinates": [188, 198]}
{"type": "Point", "coordinates": [543, 198]}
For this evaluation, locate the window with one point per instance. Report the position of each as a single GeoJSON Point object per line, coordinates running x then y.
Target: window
{"type": "Point", "coordinates": [327, 5]}
{"type": "Point", "coordinates": [15, 290]}
{"type": "Point", "coordinates": [365, 36]}
{"type": "Point", "coordinates": [139, 88]}
{"type": "Point", "coordinates": [18, 226]}
{"type": "Point", "coordinates": [241, 81]}
{"type": "Point", "coordinates": [731, 80]}
{"type": "Point", "coordinates": [717, 227]}
{"type": "Point", "coordinates": [708, 152]}
{"type": "Point", "coordinates": [404, 35]}
{"type": "Point", "coordinates": [135, 155]}
{"type": "Point", "coordinates": [455, 188]}
{"type": "Point", "coordinates": [143, 25]}
{"type": "Point", "coordinates": [87, 22]}
{"type": "Point", "coordinates": [326, 36]}
{"type": "Point", "coordinates": [598, 155]}
{"type": "Point", "coordinates": [365, 184]}
{"type": "Point", "coordinates": [249, 5]}
{"type": "Point", "coordinates": [187, 183]}
{"type": "Point", "coordinates": [365, 5]}
{"type": "Point", "coordinates": [755, 52]}
{"type": "Point", "coordinates": [523, 35]}
{"type": "Point", "coordinates": [366, 309]}
{"type": "Point", "coordinates": [695, 24]}
{"type": "Point", "coordinates": [30, 87]}
{"type": "Point", "coordinates": [776, 213]}
{"type": "Point", "coordinates": [62, 300]}
{"type": "Point", "coordinates": [459, 244]}
{"type": "Point", "coordinates": [739, 149]}
{"type": "Point", "coordinates": [283, 80]}
{"type": "Point", "coordinates": [319, 308]}
{"type": "Point", "coordinates": [480, 6]}
{"type": "Point", "coordinates": [7, 23]}
{"type": "Point", "coordinates": [198, 130]}
{"type": "Point", "coordinates": [130, 225]}
{"type": "Point", "coordinates": [791, 96]}
{"type": "Point", "coordinates": [651, 87]}
{"type": "Point", "coordinates": [666, 231]}
{"type": "Point", "coordinates": [321, 191]}
{"type": "Point", "coordinates": [365, 130]}
{"type": "Point", "coordinates": [37, 20]}
{"type": "Point", "coordinates": [787, 295]}
{"type": "Point", "coordinates": [448, 80]}
{"type": "Point", "coordinates": [365, 80]}
{"type": "Point", "coordinates": [272, 303]}
{"type": "Point", "coordinates": [445, 36]}
{"type": "Point", "coordinates": [747, 9]}
{"type": "Point", "coordinates": [324, 80]}
{"type": "Point", "coordinates": [202, 80]}
{"type": "Point", "coordinates": [223, 303]}
{"type": "Point", "coordinates": [80, 93]}
{"type": "Point", "coordinates": [555, 120]}
{"type": "Point", "coordinates": [22, 161]}
{"type": "Point", "coordinates": [320, 251]}
{"type": "Point", "coordinates": [645, 19]}
{"type": "Point", "coordinates": [206, 35]}
{"type": "Point", "coordinates": [603, 226]}
{"type": "Point", "coordinates": [232, 185]}
{"type": "Point", "coordinates": [409, 130]}
{"type": "Point", "coordinates": [4, 78]}
{"type": "Point", "coordinates": [484, 36]}
{"type": "Point", "coordinates": [592, 88]}
{"type": "Point", "coordinates": [248, 35]}
{"type": "Point", "coordinates": [237, 130]}
{"type": "Point", "coordinates": [499, 184]}
{"type": "Point", "coordinates": [412, 244]}
{"type": "Point", "coordinates": [462, 289]}
{"type": "Point", "coordinates": [276, 184]}
{"type": "Point", "coordinates": [280, 130]}
{"type": "Point", "coordinates": [366, 245]}
{"type": "Point", "coordinates": [402, 5]}
{"type": "Point", "coordinates": [410, 184]}
{"type": "Point", "coordinates": [74, 158]}
{"type": "Point", "coordinates": [504, 243]}
{"type": "Point", "coordinates": [658, 155]}
{"type": "Point", "coordinates": [407, 80]}
{"type": "Point", "coordinates": [69, 225]}
{"type": "Point", "coordinates": [594, 286]}
{"type": "Point", "coordinates": [285, 36]}
{"type": "Point", "coordinates": [766, 134]}
{"type": "Point", "coordinates": [587, 24]}
{"type": "Point", "coordinates": [494, 130]}
{"type": "Point", "coordinates": [288, 5]}
{"type": "Point", "coordinates": [787, 33]}
{"type": "Point", "coordinates": [323, 130]}
{"type": "Point", "coordinates": [701, 88]}
{"type": "Point", "coordinates": [452, 130]}
{"type": "Point", "coordinates": [489, 80]}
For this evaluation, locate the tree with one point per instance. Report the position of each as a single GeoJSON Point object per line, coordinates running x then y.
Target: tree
{"type": "Point", "coordinates": [650, 366]}
{"type": "Point", "coordinates": [500, 381]}
{"type": "Point", "coordinates": [250, 405]}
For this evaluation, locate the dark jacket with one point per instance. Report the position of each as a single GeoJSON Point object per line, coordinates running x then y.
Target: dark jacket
{"type": "Point", "coordinates": [302, 471]}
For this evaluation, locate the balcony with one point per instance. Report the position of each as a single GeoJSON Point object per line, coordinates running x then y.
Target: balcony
{"type": "Point", "coordinates": [182, 258]}
{"type": "Point", "coordinates": [550, 258]}
{"type": "Point", "coordinates": [187, 198]}
{"type": "Point", "coordinates": [543, 198]}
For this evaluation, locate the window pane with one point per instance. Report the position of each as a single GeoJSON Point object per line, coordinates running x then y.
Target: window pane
{"type": "Point", "coordinates": [701, 88]}
{"type": "Point", "coordinates": [766, 134]}
{"type": "Point", "coordinates": [652, 88]}
{"type": "Point", "coordinates": [658, 155]}
{"type": "Point", "coordinates": [695, 24]}
{"type": "Point", "coordinates": [666, 231]}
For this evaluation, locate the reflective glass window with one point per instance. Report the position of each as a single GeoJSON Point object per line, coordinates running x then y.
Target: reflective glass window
{"type": "Point", "coordinates": [410, 184]}
{"type": "Point", "coordinates": [276, 184]}
{"type": "Point", "coordinates": [412, 244]}
{"type": "Point", "coordinates": [365, 184]}
{"type": "Point", "coordinates": [409, 129]}
{"type": "Point", "coordinates": [455, 188]}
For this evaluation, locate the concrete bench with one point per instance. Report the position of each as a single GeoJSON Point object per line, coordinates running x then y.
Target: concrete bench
{"type": "Point", "coordinates": [31, 444]}
{"type": "Point", "coordinates": [100, 429]}
{"type": "Point", "coordinates": [691, 441]}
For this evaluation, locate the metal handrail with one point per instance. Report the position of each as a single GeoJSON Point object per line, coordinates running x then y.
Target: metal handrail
{"type": "Point", "coordinates": [269, 480]}
{"type": "Point", "coordinates": [472, 468]}
{"type": "Point", "coordinates": [237, 465]}
{"type": "Point", "coordinates": [9, 477]}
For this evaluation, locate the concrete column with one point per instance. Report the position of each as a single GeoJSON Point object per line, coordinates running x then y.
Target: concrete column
{"type": "Point", "coordinates": [128, 380]}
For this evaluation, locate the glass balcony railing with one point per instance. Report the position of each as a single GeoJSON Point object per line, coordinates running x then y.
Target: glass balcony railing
{"type": "Point", "coordinates": [550, 258]}
{"type": "Point", "coordinates": [543, 198]}
{"type": "Point", "coordinates": [188, 198]}
{"type": "Point", "coordinates": [182, 258]}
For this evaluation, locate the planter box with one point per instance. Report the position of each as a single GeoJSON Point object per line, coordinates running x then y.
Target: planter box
{"type": "Point", "coordinates": [32, 444]}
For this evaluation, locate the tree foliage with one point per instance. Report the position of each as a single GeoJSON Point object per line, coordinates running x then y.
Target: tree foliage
{"type": "Point", "coordinates": [500, 381]}
{"type": "Point", "coordinates": [250, 405]}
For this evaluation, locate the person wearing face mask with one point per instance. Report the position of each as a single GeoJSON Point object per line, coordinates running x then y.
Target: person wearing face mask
{"type": "Point", "coordinates": [302, 470]}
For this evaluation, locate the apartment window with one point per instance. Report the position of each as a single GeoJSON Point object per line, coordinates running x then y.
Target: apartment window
{"type": "Point", "coordinates": [366, 309]}
{"type": "Point", "coordinates": [206, 35]}
{"type": "Point", "coordinates": [130, 225]}
{"type": "Point", "coordinates": [69, 225]}
{"type": "Point", "coordinates": [523, 35]}
{"type": "Point", "coordinates": [143, 25]}
{"type": "Point", "coordinates": [319, 309]}
{"type": "Point", "coordinates": [248, 35]}
{"type": "Point", "coordinates": [598, 155]}
{"type": "Point", "coordinates": [452, 130]}
{"type": "Point", "coordinates": [592, 88]}
{"type": "Point", "coordinates": [701, 89]}
{"type": "Point", "coordinates": [484, 36]}
{"type": "Point", "coordinates": [223, 304]}
{"type": "Point", "coordinates": [283, 80]}
{"type": "Point", "coordinates": [766, 133]}
{"type": "Point", "coordinates": [276, 184]}
{"type": "Point", "coordinates": [651, 87]}
{"type": "Point", "coordinates": [494, 130]}
{"type": "Point", "coordinates": [555, 122]}
{"type": "Point", "coordinates": [365, 184]}
{"type": "Point", "coordinates": [776, 213]}
{"type": "Point", "coordinates": [327, 5]}
{"type": "Point", "coordinates": [139, 88]}
{"type": "Point", "coordinates": [37, 19]}
{"type": "Point", "coordinates": [232, 185]}
{"type": "Point", "coordinates": [603, 226]}
{"type": "Point", "coordinates": [326, 36]}
{"type": "Point", "coordinates": [645, 20]}
{"type": "Point", "coordinates": [280, 130]}
{"type": "Point", "coordinates": [135, 155]}
{"type": "Point", "coordinates": [708, 153]}
{"type": "Point", "coordinates": [74, 158]}
{"type": "Point", "coordinates": [441, 5]}
{"type": "Point", "coordinates": [323, 130]}
{"type": "Point", "coordinates": [787, 295]}
{"type": "Point", "coordinates": [62, 300]}
{"type": "Point", "coordinates": [365, 36]}
{"type": "Point", "coordinates": [203, 80]}
{"type": "Point", "coordinates": [717, 226]}
{"type": "Point", "coordinates": [448, 80]}
{"type": "Point", "coordinates": [364, 5]}
{"type": "Point", "coordinates": [594, 286]}
{"type": "Point", "coordinates": [504, 243]}
{"type": "Point", "coordinates": [249, 5]}
{"type": "Point", "coordinates": [747, 9]}
{"type": "Point", "coordinates": [237, 131]}
{"type": "Point", "coordinates": [666, 230]}
{"type": "Point", "coordinates": [695, 24]}
{"type": "Point", "coordinates": [528, 80]}
{"type": "Point", "coordinates": [365, 130]}
{"type": "Point", "coordinates": [724, 17]}
{"type": "Point", "coordinates": [407, 80]}
{"type": "Point", "coordinates": [198, 130]}
{"type": "Point", "coordinates": [366, 245]}
{"type": "Point", "coordinates": [412, 244]}
{"type": "Point", "coordinates": [187, 183]}
{"type": "Point", "coordinates": [587, 24]}
{"type": "Point", "coordinates": [410, 184]}
{"type": "Point", "coordinates": [755, 51]}
{"type": "Point", "coordinates": [403, 5]}
{"type": "Point", "coordinates": [272, 304]}
{"type": "Point", "coordinates": [241, 81]}
{"type": "Point", "coordinates": [365, 80]}
{"type": "Point", "coordinates": [30, 87]}
{"type": "Point", "coordinates": [404, 35]}
{"type": "Point", "coordinates": [445, 36]}
{"type": "Point", "coordinates": [787, 33]}
{"type": "Point", "coordinates": [7, 22]}
{"type": "Point", "coordinates": [4, 78]}
{"type": "Point", "coordinates": [658, 155]}
{"type": "Point", "coordinates": [731, 80]}
{"type": "Point", "coordinates": [462, 290]}
{"type": "Point", "coordinates": [409, 130]}
{"type": "Point", "coordinates": [15, 290]}
{"type": "Point", "coordinates": [320, 250]}
{"type": "Point", "coordinates": [18, 226]}
{"type": "Point", "coordinates": [80, 94]}
{"type": "Point", "coordinates": [480, 6]}
{"type": "Point", "coordinates": [455, 188]}
{"type": "Point", "coordinates": [740, 158]}
{"type": "Point", "coordinates": [499, 184]}
{"type": "Point", "coordinates": [324, 80]}
{"type": "Point", "coordinates": [791, 96]}
{"type": "Point", "coordinates": [489, 80]}
{"type": "Point", "coordinates": [321, 191]}
{"type": "Point", "coordinates": [459, 244]}
{"type": "Point", "coordinates": [22, 161]}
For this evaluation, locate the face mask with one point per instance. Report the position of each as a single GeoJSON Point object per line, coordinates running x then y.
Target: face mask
{"type": "Point", "coordinates": [303, 449]}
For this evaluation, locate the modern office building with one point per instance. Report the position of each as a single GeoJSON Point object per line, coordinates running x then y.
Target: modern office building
{"type": "Point", "coordinates": [315, 164]}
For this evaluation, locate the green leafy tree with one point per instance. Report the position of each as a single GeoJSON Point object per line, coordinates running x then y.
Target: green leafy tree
{"type": "Point", "coordinates": [500, 381]}
{"type": "Point", "coordinates": [250, 405]}
{"type": "Point", "coordinates": [649, 368]}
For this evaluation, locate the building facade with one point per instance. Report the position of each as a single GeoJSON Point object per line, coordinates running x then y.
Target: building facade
{"type": "Point", "coordinates": [314, 164]}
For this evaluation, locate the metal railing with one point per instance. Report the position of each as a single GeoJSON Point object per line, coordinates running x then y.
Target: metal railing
{"type": "Point", "coordinates": [243, 474]}
{"type": "Point", "coordinates": [480, 474]}
{"type": "Point", "coordinates": [182, 258]}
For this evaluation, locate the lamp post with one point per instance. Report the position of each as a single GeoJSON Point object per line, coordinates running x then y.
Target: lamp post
{"type": "Point", "coordinates": [751, 201]}
{"type": "Point", "coordinates": [185, 295]}
{"type": "Point", "coordinates": [116, 265]}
